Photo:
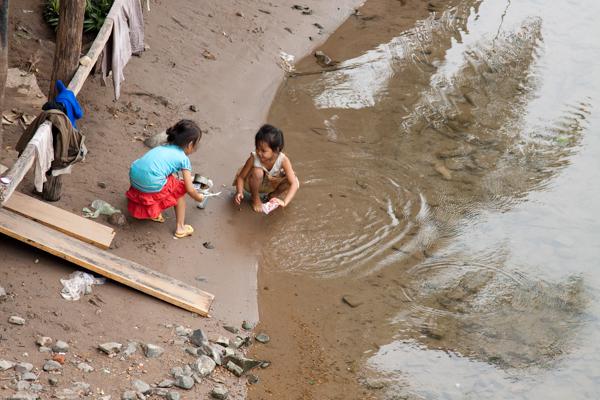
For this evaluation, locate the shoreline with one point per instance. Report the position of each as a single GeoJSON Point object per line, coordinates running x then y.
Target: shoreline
{"type": "Point", "coordinates": [233, 95]}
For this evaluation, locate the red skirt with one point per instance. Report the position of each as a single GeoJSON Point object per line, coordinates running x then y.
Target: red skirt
{"type": "Point", "coordinates": [149, 205]}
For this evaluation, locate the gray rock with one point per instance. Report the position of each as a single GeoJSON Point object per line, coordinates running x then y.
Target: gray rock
{"type": "Point", "coordinates": [240, 341]}
{"type": "Point", "coordinates": [83, 388]}
{"type": "Point", "coordinates": [2, 293]}
{"type": "Point", "coordinates": [44, 349]}
{"type": "Point", "coordinates": [160, 392]}
{"type": "Point", "coordinates": [110, 347]}
{"type": "Point", "coordinates": [152, 350]}
{"type": "Point", "coordinates": [129, 395]}
{"type": "Point", "coordinates": [52, 365]}
{"type": "Point", "coordinates": [197, 378]}
{"type": "Point", "coordinates": [53, 381]}
{"type": "Point", "coordinates": [141, 386]}
{"type": "Point", "coordinates": [85, 367]}
{"type": "Point", "coordinates": [29, 376]}
{"type": "Point", "coordinates": [60, 347]}
{"type": "Point", "coordinates": [183, 331]}
{"type": "Point", "coordinates": [219, 392]}
{"type": "Point", "coordinates": [185, 382]}
{"type": "Point", "coordinates": [166, 383]}
{"type": "Point", "coordinates": [117, 219]}
{"type": "Point", "coordinates": [247, 326]}
{"type": "Point", "coordinates": [22, 386]}
{"type": "Point", "coordinates": [156, 140]}
{"type": "Point", "coordinates": [43, 341]}
{"type": "Point", "coordinates": [204, 365]}
{"type": "Point", "coordinates": [223, 341]}
{"type": "Point", "coordinates": [5, 364]}
{"type": "Point", "coordinates": [36, 387]}
{"type": "Point", "coordinates": [66, 394]}
{"type": "Point", "coordinates": [234, 368]}
{"type": "Point", "coordinates": [211, 350]}
{"type": "Point", "coordinates": [23, 396]}
{"type": "Point", "coordinates": [199, 338]}
{"type": "Point", "coordinates": [173, 396]}
{"type": "Point", "coordinates": [23, 367]}
{"type": "Point", "coordinates": [231, 329]}
{"type": "Point", "coordinates": [16, 320]}
{"type": "Point", "coordinates": [187, 370]}
{"type": "Point", "coordinates": [177, 372]}
{"type": "Point", "coordinates": [246, 364]}
{"type": "Point", "coordinates": [130, 349]}
{"type": "Point", "coordinates": [253, 379]}
{"type": "Point", "coordinates": [352, 301]}
{"type": "Point", "coordinates": [228, 352]}
{"type": "Point", "coordinates": [265, 364]}
{"type": "Point", "coordinates": [323, 59]}
{"type": "Point", "coordinates": [192, 350]}
{"type": "Point", "coordinates": [262, 338]}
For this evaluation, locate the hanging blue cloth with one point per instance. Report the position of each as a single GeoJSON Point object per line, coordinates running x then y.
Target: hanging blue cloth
{"type": "Point", "coordinates": [67, 98]}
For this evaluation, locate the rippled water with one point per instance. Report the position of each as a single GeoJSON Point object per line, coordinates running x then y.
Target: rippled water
{"type": "Point", "coordinates": [463, 153]}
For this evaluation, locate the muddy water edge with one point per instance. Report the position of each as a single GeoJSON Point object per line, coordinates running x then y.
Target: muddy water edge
{"type": "Point", "coordinates": [443, 243]}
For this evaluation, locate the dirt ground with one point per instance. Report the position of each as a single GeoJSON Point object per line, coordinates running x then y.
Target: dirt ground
{"type": "Point", "coordinates": [232, 95]}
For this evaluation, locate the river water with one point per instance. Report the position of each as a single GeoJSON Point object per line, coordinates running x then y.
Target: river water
{"type": "Point", "coordinates": [449, 167]}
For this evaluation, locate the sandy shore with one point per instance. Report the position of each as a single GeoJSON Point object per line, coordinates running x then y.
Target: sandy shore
{"type": "Point", "coordinates": [232, 95]}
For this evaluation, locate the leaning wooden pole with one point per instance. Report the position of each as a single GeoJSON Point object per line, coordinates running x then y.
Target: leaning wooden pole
{"type": "Point", "coordinates": [3, 59]}
{"type": "Point", "coordinates": [66, 61]}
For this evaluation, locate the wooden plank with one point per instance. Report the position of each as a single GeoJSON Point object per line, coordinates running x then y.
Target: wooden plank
{"type": "Point", "coordinates": [105, 263]}
{"type": "Point", "coordinates": [71, 224]}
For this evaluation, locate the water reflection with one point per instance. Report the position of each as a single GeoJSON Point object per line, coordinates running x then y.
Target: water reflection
{"type": "Point", "coordinates": [442, 163]}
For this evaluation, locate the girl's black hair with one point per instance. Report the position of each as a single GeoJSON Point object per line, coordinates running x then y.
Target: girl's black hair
{"type": "Point", "coordinates": [271, 136]}
{"type": "Point", "coordinates": [183, 133]}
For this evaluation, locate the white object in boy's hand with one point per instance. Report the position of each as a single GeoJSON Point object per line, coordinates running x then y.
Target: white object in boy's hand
{"type": "Point", "coordinates": [270, 206]}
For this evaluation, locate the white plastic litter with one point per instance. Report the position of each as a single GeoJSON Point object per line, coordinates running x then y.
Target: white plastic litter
{"type": "Point", "coordinates": [286, 61]}
{"type": "Point", "coordinates": [78, 284]}
{"type": "Point", "coordinates": [99, 207]}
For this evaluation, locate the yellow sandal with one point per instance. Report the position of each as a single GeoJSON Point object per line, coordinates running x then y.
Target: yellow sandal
{"type": "Point", "coordinates": [160, 218]}
{"type": "Point", "coordinates": [188, 231]}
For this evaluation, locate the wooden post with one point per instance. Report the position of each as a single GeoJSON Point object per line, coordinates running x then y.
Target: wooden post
{"type": "Point", "coordinates": [68, 43]}
{"type": "Point", "coordinates": [3, 59]}
{"type": "Point", "coordinates": [66, 61]}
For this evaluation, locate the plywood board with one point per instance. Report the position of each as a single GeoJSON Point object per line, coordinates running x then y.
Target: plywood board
{"type": "Point", "coordinates": [71, 224]}
{"type": "Point", "coordinates": [105, 263]}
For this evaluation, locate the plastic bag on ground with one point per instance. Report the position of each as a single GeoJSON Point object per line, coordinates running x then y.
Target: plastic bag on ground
{"type": "Point", "coordinates": [78, 284]}
{"type": "Point", "coordinates": [99, 207]}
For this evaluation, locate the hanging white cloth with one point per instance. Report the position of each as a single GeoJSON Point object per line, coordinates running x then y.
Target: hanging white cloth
{"type": "Point", "coordinates": [44, 154]}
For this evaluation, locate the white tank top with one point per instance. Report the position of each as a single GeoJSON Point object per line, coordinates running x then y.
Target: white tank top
{"type": "Point", "coordinates": [277, 170]}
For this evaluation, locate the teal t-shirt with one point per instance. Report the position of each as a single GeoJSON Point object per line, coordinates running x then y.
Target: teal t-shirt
{"type": "Point", "coordinates": [149, 173]}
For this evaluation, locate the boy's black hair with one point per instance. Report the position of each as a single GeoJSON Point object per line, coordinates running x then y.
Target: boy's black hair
{"type": "Point", "coordinates": [183, 133]}
{"type": "Point", "coordinates": [271, 136]}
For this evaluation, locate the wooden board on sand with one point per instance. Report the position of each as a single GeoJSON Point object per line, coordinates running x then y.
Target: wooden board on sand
{"type": "Point", "coordinates": [104, 263]}
{"type": "Point", "coordinates": [71, 224]}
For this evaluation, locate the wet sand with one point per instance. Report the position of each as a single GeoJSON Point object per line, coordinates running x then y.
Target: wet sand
{"type": "Point", "coordinates": [232, 95]}
{"type": "Point", "coordinates": [421, 154]}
